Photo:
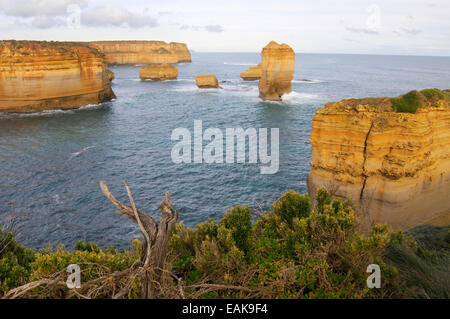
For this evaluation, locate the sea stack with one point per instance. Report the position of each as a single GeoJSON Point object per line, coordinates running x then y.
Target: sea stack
{"type": "Point", "coordinates": [208, 81]}
{"type": "Point", "coordinates": [36, 76]}
{"type": "Point", "coordinates": [158, 72]}
{"type": "Point", "coordinates": [277, 71]}
{"type": "Point", "coordinates": [252, 74]}
{"type": "Point", "coordinates": [143, 52]}
{"type": "Point", "coordinates": [390, 156]}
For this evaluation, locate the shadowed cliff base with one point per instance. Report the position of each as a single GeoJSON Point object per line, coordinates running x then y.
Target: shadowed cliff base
{"type": "Point", "coordinates": [390, 155]}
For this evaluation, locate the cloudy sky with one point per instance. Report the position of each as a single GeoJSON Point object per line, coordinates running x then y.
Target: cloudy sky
{"type": "Point", "coordinates": [418, 27]}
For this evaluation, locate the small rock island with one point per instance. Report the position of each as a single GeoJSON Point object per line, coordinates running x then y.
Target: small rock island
{"type": "Point", "coordinates": [207, 81]}
{"type": "Point", "coordinates": [158, 72]}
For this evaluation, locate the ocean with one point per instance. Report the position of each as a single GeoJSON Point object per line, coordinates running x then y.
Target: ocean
{"type": "Point", "coordinates": [51, 163]}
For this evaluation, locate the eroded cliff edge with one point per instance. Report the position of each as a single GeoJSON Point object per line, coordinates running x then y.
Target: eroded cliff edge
{"type": "Point", "coordinates": [143, 52]}
{"type": "Point", "coordinates": [390, 156]}
{"type": "Point", "coordinates": [36, 76]}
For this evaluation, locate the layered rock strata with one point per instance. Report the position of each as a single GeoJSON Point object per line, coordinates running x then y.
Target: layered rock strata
{"type": "Point", "coordinates": [252, 74]}
{"type": "Point", "coordinates": [158, 72]}
{"type": "Point", "coordinates": [143, 52]}
{"type": "Point", "coordinates": [208, 81]}
{"type": "Point", "coordinates": [277, 71]}
{"type": "Point", "coordinates": [395, 166]}
{"type": "Point", "coordinates": [36, 76]}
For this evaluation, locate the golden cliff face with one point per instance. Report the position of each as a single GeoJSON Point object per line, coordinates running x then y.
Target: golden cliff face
{"type": "Point", "coordinates": [277, 71]}
{"type": "Point", "coordinates": [36, 76]}
{"type": "Point", "coordinates": [143, 52]}
{"type": "Point", "coordinates": [158, 72]}
{"type": "Point", "coordinates": [252, 74]}
{"type": "Point", "coordinates": [394, 166]}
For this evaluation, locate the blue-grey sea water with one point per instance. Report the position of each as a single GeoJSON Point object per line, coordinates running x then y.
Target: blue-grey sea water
{"type": "Point", "coordinates": [51, 162]}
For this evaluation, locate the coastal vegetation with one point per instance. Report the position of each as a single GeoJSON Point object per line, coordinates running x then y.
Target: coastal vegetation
{"type": "Point", "coordinates": [413, 100]}
{"type": "Point", "coordinates": [408, 103]}
{"type": "Point", "coordinates": [301, 248]}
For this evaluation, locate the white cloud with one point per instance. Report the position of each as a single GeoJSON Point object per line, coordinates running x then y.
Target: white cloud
{"type": "Point", "coordinates": [33, 8]}
{"type": "Point", "coordinates": [412, 31]}
{"type": "Point", "coordinates": [209, 28]}
{"type": "Point", "coordinates": [45, 22]}
{"type": "Point", "coordinates": [110, 15]}
{"type": "Point", "coordinates": [347, 26]}
{"type": "Point", "coordinates": [214, 28]}
{"type": "Point", "coordinates": [362, 30]}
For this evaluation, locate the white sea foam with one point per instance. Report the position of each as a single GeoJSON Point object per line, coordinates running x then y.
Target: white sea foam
{"type": "Point", "coordinates": [80, 152]}
{"type": "Point", "coordinates": [298, 98]}
{"type": "Point", "coordinates": [227, 88]}
{"type": "Point", "coordinates": [52, 112]}
{"type": "Point", "coordinates": [295, 98]}
{"type": "Point", "coordinates": [307, 81]}
{"type": "Point", "coordinates": [35, 114]}
{"type": "Point", "coordinates": [241, 63]}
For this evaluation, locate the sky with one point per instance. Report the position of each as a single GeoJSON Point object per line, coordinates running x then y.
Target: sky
{"type": "Point", "coordinates": [409, 27]}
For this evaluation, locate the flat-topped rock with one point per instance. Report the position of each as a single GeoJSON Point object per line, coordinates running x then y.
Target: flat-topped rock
{"type": "Point", "coordinates": [277, 71]}
{"type": "Point", "coordinates": [158, 72]}
{"type": "Point", "coordinates": [207, 81]}
{"type": "Point", "coordinates": [252, 74]}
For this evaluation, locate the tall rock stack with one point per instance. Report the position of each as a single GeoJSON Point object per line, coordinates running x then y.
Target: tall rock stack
{"type": "Point", "coordinates": [277, 71]}
{"type": "Point", "coordinates": [36, 76]}
{"type": "Point", "coordinates": [394, 166]}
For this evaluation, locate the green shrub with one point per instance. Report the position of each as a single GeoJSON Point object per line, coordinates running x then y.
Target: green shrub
{"type": "Point", "coordinates": [431, 94]}
{"type": "Point", "coordinates": [291, 252]}
{"type": "Point", "coordinates": [162, 50]}
{"type": "Point", "coordinates": [15, 262]}
{"type": "Point", "coordinates": [408, 103]}
{"type": "Point", "coordinates": [239, 221]}
{"type": "Point", "coordinates": [292, 205]}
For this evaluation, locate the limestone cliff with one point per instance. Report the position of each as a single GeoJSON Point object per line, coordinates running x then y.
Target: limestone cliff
{"type": "Point", "coordinates": [277, 71]}
{"type": "Point", "coordinates": [37, 76]}
{"type": "Point", "coordinates": [158, 72]}
{"type": "Point", "coordinates": [394, 165]}
{"type": "Point", "coordinates": [252, 74]}
{"type": "Point", "coordinates": [143, 52]}
{"type": "Point", "coordinates": [207, 81]}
